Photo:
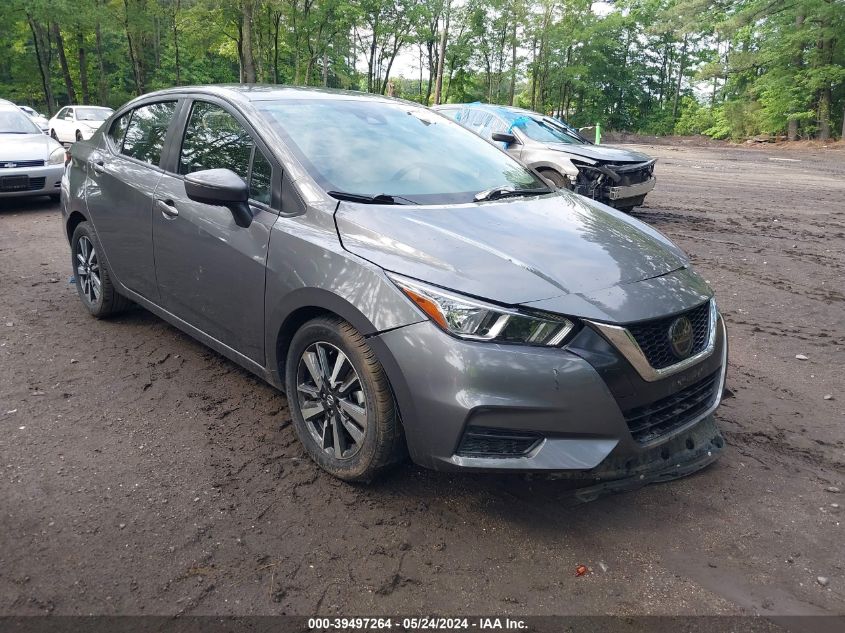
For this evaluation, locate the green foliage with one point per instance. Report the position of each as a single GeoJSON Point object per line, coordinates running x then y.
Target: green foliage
{"type": "Point", "coordinates": [725, 69]}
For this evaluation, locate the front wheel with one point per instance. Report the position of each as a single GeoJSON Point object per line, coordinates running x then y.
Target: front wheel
{"type": "Point", "coordinates": [78, 135]}
{"type": "Point", "coordinates": [54, 135]}
{"type": "Point", "coordinates": [340, 400]}
{"type": "Point", "coordinates": [560, 181]}
{"type": "Point", "coordinates": [93, 280]}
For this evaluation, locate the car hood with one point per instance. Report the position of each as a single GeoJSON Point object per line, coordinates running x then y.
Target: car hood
{"type": "Point", "coordinates": [514, 251]}
{"type": "Point", "coordinates": [26, 147]}
{"type": "Point", "coordinates": [601, 152]}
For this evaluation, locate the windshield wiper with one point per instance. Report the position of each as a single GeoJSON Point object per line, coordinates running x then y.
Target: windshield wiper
{"type": "Point", "coordinates": [381, 198]}
{"type": "Point", "coordinates": [508, 192]}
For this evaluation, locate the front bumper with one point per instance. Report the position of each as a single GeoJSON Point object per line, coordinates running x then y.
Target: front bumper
{"type": "Point", "coordinates": [631, 191]}
{"type": "Point", "coordinates": [572, 399]}
{"type": "Point", "coordinates": [31, 181]}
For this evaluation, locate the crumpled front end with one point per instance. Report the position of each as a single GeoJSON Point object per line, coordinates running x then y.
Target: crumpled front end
{"type": "Point", "coordinates": [621, 185]}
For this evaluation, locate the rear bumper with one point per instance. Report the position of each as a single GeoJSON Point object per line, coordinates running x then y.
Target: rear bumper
{"type": "Point", "coordinates": [39, 181]}
{"type": "Point", "coordinates": [571, 400]}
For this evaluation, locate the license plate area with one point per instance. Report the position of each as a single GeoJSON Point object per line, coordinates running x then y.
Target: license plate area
{"type": "Point", "coordinates": [14, 183]}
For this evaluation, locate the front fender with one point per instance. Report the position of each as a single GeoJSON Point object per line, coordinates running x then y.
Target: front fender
{"type": "Point", "coordinates": [308, 269]}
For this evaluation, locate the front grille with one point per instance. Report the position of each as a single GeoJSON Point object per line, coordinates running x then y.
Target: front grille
{"type": "Point", "coordinates": [651, 421]}
{"type": "Point", "coordinates": [485, 442]}
{"type": "Point", "coordinates": [653, 336]}
{"type": "Point", "coordinates": [20, 163]}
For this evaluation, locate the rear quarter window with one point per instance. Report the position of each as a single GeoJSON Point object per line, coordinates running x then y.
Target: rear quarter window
{"type": "Point", "coordinates": [118, 130]}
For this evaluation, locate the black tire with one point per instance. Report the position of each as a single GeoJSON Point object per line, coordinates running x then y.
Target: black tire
{"type": "Point", "coordinates": [381, 443]}
{"type": "Point", "coordinates": [78, 135]}
{"type": "Point", "coordinates": [53, 135]}
{"type": "Point", "coordinates": [626, 209]}
{"type": "Point", "coordinates": [104, 301]}
{"type": "Point", "coordinates": [560, 181]}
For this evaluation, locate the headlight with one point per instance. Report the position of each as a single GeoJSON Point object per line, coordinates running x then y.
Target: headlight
{"type": "Point", "coordinates": [475, 320]}
{"type": "Point", "coordinates": [57, 156]}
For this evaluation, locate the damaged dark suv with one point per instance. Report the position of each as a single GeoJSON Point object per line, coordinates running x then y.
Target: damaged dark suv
{"type": "Point", "coordinates": [618, 177]}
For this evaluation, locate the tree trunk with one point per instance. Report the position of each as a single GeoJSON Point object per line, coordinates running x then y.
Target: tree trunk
{"type": "Point", "coordinates": [177, 8]}
{"type": "Point", "coordinates": [102, 84]}
{"type": "Point", "coordinates": [797, 62]}
{"type": "Point", "coordinates": [44, 57]}
{"type": "Point", "coordinates": [512, 94]}
{"type": "Point", "coordinates": [681, 66]}
{"type": "Point", "coordinates": [247, 55]}
{"type": "Point", "coordinates": [60, 49]}
{"type": "Point", "coordinates": [277, 18]}
{"type": "Point", "coordinates": [134, 56]}
{"type": "Point", "coordinates": [83, 66]}
{"type": "Point", "coordinates": [441, 56]}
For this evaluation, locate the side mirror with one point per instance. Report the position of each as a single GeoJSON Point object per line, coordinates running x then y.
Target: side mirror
{"type": "Point", "coordinates": [502, 137]}
{"type": "Point", "coordinates": [221, 187]}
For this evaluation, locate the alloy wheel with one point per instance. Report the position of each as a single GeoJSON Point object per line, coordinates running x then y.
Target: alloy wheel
{"type": "Point", "coordinates": [88, 270]}
{"type": "Point", "coordinates": [331, 399]}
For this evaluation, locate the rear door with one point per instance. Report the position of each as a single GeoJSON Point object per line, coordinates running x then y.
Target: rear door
{"type": "Point", "coordinates": [211, 271]}
{"type": "Point", "coordinates": [123, 177]}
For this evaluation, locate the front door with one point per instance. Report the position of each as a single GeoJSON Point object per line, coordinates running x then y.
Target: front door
{"type": "Point", "coordinates": [211, 271]}
{"type": "Point", "coordinates": [122, 183]}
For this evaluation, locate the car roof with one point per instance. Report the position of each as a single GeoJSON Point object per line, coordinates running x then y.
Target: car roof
{"type": "Point", "coordinates": [272, 92]}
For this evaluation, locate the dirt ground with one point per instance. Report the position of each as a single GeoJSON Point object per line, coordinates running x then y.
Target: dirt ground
{"type": "Point", "coordinates": [143, 473]}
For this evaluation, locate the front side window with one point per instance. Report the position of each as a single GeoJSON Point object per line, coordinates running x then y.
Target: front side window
{"type": "Point", "coordinates": [69, 114]}
{"type": "Point", "coordinates": [370, 148]}
{"type": "Point", "coordinates": [261, 178]}
{"type": "Point", "coordinates": [214, 140]}
{"type": "Point", "coordinates": [144, 137]}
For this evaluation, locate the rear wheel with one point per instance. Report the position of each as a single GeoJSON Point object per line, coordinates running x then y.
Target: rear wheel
{"type": "Point", "coordinates": [93, 280]}
{"type": "Point", "coordinates": [340, 400]}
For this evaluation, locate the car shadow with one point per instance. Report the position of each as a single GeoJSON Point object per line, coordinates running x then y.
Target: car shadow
{"type": "Point", "coordinates": [34, 204]}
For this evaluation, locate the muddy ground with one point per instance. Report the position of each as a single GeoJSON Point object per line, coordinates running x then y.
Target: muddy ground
{"type": "Point", "coordinates": [143, 473]}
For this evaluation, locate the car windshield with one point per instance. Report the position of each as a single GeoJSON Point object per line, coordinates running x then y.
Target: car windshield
{"type": "Point", "coordinates": [93, 114]}
{"type": "Point", "coordinates": [16, 122]}
{"type": "Point", "coordinates": [539, 130]}
{"type": "Point", "coordinates": [376, 148]}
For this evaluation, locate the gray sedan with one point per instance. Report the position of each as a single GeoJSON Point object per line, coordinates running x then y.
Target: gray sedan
{"type": "Point", "coordinates": [412, 288]}
{"type": "Point", "coordinates": [31, 164]}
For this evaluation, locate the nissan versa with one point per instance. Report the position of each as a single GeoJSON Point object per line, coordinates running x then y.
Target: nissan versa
{"type": "Point", "coordinates": [409, 285]}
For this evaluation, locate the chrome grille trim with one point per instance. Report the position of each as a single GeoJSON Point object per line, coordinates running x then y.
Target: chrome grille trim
{"type": "Point", "coordinates": [627, 345]}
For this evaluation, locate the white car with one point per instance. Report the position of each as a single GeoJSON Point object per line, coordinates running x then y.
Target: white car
{"type": "Point", "coordinates": [31, 164]}
{"type": "Point", "coordinates": [77, 123]}
{"type": "Point", "coordinates": [39, 119]}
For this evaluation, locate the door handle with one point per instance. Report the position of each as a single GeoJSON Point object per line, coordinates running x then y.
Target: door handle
{"type": "Point", "coordinates": [167, 208]}
{"type": "Point", "coordinates": [99, 167]}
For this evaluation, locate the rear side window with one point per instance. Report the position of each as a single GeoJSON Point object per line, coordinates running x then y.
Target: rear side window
{"type": "Point", "coordinates": [215, 140]}
{"type": "Point", "coordinates": [118, 129]}
{"type": "Point", "coordinates": [144, 136]}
